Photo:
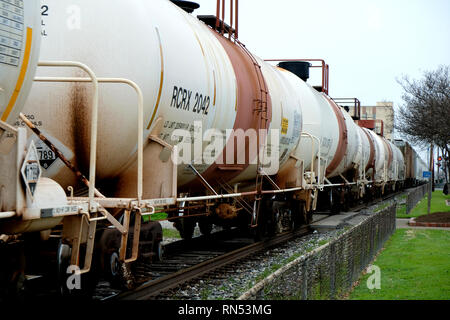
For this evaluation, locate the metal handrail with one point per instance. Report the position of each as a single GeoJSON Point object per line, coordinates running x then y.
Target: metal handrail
{"type": "Point", "coordinates": [312, 137]}
{"type": "Point", "coordinates": [93, 151]}
{"type": "Point", "coordinates": [140, 120]}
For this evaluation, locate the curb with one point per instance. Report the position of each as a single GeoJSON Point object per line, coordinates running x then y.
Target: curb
{"type": "Point", "coordinates": [413, 223]}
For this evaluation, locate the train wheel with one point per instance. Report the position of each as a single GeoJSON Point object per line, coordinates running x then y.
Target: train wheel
{"type": "Point", "coordinates": [63, 255]}
{"type": "Point", "coordinates": [185, 227]}
{"type": "Point", "coordinates": [159, 252]}
{"type": "Point", "coordinates": [297, 209]}
{"type": "Point", "coordinates": [69, 283]}
{"type": "Point", "coordinates": [346, 199]}
{"type": "Point", "coordinates": [12, 278]}
{"type": "Point", "coordinates": [278, 222]}
{"type": "Point", "coordinates": [306, 216]}
{"type": "Point", "coordinates": [205, 226]}
{"type": "Point", "coordinates": [119, 274]}
{"type": "Point", "coordinates": [335, 205]}
{"type": "Point", "coordinates": [112, 268]}
{"type": "Point", "coordinates": [260, 230]}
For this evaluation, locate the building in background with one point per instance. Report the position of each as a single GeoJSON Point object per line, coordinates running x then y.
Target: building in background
{"type": "Point", "coordinates": [383, 111]}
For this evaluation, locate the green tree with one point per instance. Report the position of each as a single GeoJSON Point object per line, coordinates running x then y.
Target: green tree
{"type": "Point", "coordinates": [425, 115]}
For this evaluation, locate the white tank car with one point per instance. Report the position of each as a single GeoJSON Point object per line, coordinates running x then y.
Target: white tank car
{"type": "Point", "coordinates": [20, 36]}
{"type": "Point", "coordinates": [182, 66]}
{"type": "Point", "coordinates": [327, 125]}
{"type": "Point", "coordinates": [351, 157]}
{"type": "Point", "coordinates": [287, 118]}
{"type": "Point", "coordinates": [379, 155]}
{"type": "Point", "coordinates": [389, 161]}
{"type": "Point", "coordinates": [364, 153]}
{"type": "Point", "coordinates": [397, 170]}
{"type": "Point", "coordinates": [419, 167]}
{"type": "Point", "coordinates": [319, 121]}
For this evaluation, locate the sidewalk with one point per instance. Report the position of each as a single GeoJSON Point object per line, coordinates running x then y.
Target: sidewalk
{"type": "Point", "coordinates": [403, 224]}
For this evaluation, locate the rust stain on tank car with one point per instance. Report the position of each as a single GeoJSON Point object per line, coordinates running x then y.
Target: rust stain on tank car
{"type": "Point", "coordinates": [371, 163]}
{"type": "Point", "coordinates": [390, 153]}
{"type": "Point", "coordinates": [248, 91]}
{"type": "Point", "coordinates": [343, 138]}
{"type": "Point", "coordinates": [81, 124]}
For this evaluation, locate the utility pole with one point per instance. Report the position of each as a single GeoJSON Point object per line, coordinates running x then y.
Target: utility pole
{"type": "Point", "coordinates": [432, 178]}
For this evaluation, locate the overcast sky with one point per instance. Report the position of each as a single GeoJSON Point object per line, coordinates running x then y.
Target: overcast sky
{"type": "Point", "coordinates": [367, 43]}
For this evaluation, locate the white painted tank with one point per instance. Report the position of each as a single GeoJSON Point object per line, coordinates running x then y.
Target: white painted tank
{"type": "Point", "coordinates": [351, 157]}
{"type": "Point", "coordinates": [178, 62]}
{"type": "Point", "coordinates": [320, 122]}
{"type": "Point", "coordinates": [173, 57]}
{"type": "Point", "coordinates": [419, 167]}
{"type": "Point", "coordinates": [20, 36]}
{"type": "Point", "coordinates": [380, 156]}
{"type": "Point", "coordinates": [364, 152]}
{"type": "Point", "coordinates": [286, 117]}
{"type": "Point", "coordinates": [397, 170]}
{"type": "Point", "coordinates": [333, 127]}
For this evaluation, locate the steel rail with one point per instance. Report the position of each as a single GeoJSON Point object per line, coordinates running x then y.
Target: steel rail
{"type": "Point", "coordinates": [153, 288]}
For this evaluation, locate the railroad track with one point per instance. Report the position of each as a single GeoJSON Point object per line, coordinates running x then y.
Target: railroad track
{"type": "Point", "coordinates": [362, 206]}
{"type": "Point", "coordinates": [210, 261]}
{"type": "Point", "coordinates": [156, 287]}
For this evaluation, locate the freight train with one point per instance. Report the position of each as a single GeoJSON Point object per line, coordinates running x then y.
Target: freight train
{"type": "Point", "coordinates": [115, 111]}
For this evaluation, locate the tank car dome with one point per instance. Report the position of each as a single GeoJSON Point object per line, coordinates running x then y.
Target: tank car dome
{"type": "Point", "coordinates": [187, 6]}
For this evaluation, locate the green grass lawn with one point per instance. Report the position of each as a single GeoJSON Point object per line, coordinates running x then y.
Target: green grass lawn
{"type": "Point", "coordinates": [171, 233]}
{"type": "Point", "coordinates": [437, 205]}
{"type": "Point", "coordinates": [415, 264]}
{"type": "Point", "coordinates": [167, 233]}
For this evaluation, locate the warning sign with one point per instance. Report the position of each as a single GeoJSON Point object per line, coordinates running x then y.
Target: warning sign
{"type": "Point", "coordinates": [31, 170]}
{"type": "Point", "coordinates": [46, 156]}
{"type": "Point", "coordinates": [284, 125]}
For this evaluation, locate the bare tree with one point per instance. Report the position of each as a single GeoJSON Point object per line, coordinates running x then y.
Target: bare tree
{"type": "Point", "coordinates": [425, 116]}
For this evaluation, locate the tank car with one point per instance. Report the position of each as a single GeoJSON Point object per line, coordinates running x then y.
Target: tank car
{"type": "Point", "coordinates": [19, 47]}
{"type": "Point", "coordinates": [19, 51]}
{"type": "Point", "coordinates": [413, 164]}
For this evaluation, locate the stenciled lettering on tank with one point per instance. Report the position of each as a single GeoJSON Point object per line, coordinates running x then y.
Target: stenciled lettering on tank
{"type": "Point", "coordinates": [297, 126]}
{"type": "Point", "coordinates": [325, 146]}
{"type": "Point", "coordinates": [33, 119]}
{"type": "Point", "coordinates": [44, 13]}
{"type": "Point", "coordinates": [186, 100]}
{"type": "Point", "coordinates": [170, 126]}
{"type": "Point", "coordinates": [12, 30]}
{"type": "Point", "coordinates": [46, 156]}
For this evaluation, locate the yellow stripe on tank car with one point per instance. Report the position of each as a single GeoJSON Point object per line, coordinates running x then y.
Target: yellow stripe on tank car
{"type": "Point", "coordinates": [215, 90]}
{"type": "Point", "coordinates": [161, 81]}
{"type": "Point", "coordinates": [21, 79]}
